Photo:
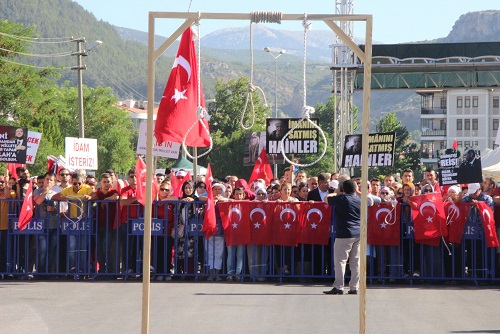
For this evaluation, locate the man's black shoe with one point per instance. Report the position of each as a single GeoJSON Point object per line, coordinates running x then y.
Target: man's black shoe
{"type": "Point", "coordinates": [352, 292]}
{"type": "Point", "coordinates": [334, 291]}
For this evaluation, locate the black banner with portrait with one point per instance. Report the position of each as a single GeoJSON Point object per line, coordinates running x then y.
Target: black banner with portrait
{"type": "Point", "coordinates": [13, 144]}
{"type": "Point", "coordinates": [380, 150]}
{"type": "Point", "coordinates": [303, 140]}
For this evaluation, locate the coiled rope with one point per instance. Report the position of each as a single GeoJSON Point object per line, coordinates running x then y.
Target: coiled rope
{"type": "Point", "coordinates": [256, 17]}
{"type": "Point", "coordinates": [306, 110]}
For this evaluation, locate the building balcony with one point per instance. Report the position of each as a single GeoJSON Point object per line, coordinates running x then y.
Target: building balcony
{"type": "Point", "coordinates": [434, 133]}
{"type": "Point", "coordinates": [433, 111]}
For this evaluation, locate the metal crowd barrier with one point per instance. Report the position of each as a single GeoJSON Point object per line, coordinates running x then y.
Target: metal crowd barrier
{"type": "Point", "coordinates": [98, 244]}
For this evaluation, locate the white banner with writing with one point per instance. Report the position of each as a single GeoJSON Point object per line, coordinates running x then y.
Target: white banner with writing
{"type": "Point", "coordinates": [166, 149]}
{"type": "Point", "coordinates": [33, 143]}
{"type": "Point", "coordinates": [81, 153]}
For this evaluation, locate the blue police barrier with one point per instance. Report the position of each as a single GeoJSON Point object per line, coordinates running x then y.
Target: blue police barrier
{"type": "Point", "coordinates": [112, 247]}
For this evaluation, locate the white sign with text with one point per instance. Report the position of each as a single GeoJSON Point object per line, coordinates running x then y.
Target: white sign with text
{"type": "Point", "coordinates": [81, 153]}
{"type": "Point", "coordinates": [166, 149]}
{"type": "Point", "coordinates": [33, 143]}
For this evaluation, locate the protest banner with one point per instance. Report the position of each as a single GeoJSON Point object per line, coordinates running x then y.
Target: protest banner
{"type": "Point", "coordinates": [167, 149]}
{"type": "Point", "coordinates": [13, 144]}
{"type": "Point", "coordinates": [81, 153]}
{"type": "Point", "coordinates": [303, 140]}
{"type": "Point", "coordinates": [380, 150]}
{"type": "Point", "coordinates": [33, 143]}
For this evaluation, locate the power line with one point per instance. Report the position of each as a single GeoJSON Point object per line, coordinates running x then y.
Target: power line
{"type": "Point", "coordinates": [46, 55]}
{"type": "Point", "coordinates": [34, 66]}
{"type": "Point", "coordinates": [119, 78]}
{"type": "Point", "coordinates": [40, 40]}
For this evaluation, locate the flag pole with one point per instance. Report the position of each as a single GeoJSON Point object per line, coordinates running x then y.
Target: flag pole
{"type": "Point", "coordinates": [195, 164]}
{"type": "Point", "coordinates": [149, 165]}
{"type": "Point", "coordinates": [364, 171]}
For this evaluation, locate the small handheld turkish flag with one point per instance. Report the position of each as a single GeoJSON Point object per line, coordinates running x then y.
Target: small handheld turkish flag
{"type": "Point", "coordinates": [262, 169]}
{"type": "Point", "coordinates": [210, 220]}
{"type": "Point", "coordinates": [488, 220]}
{"type": "Point", "coordinates": [140, 172]}
{"type": "Point", "coordinates": [27, 208]}
{"type": "Point", "coordinates": [178, 106]}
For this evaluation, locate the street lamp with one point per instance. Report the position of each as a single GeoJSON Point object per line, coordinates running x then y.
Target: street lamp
{"type": "Point", "coordinates": [268, 50]}
{"type": "Point", "coordinates": [80, 67]}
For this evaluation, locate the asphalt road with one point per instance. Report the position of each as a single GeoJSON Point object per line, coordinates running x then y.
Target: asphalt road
{"type": "Point", "coordinates": [182, 307]}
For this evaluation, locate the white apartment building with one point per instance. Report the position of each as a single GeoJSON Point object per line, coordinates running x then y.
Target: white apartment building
{"type": "Point", "coordinates": [471, 116]}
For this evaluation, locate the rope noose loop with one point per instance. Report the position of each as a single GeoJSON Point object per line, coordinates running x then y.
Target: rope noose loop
{"type": "Point", "coordinates": [306, 110]}
{"type": "Point", "coordinates": [201, 112]}
{"type": "Point", "coordinates": [79, 208]}
{"type": "Point", "coordinates": [256, 17]}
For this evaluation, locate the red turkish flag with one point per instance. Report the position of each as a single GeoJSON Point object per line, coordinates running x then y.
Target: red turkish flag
{"type": "Point", "coordinates": [27, 209]}
{"type": "Point", "coordinates": [12, 169]}
{"type": "Point", "coordinates": [384, 224]}
{"type": "Point", "coordinates": [262, 169]}
{"type": "Point", "coordinates": [234, 216]}
{"type": "Point", "coordinates": [179, 103]}
{"type": "Point", "coordinates": [210, 220]}
{"type": "Point", "coordinates": [316, 222]}
{"type": "Point", "coordinates": [178, 189]}
{"type": "Point", "coordinates": [456, 218]}
{"type": "Point", "coordinates": [429, 219]}
{"type": "Point", "coordinates": [487, 217]}
{"type": "Point", "coordinates": [261, 222]}
{"type": "Point", "coordinates": [174, 183]}
{"type": "Point", "coordinates": [286, 224]}
{"type": "Point", "coordinates": [140, 172]}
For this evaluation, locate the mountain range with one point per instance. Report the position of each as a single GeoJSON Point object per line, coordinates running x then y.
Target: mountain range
{"type": "Point", "coordinates": [121, 61]}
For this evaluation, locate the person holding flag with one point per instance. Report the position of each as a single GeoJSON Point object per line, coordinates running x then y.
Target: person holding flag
{"type": "Point", "coordinates": [262, 169]}
{"type": "Point", "coordinates": [479, 212]}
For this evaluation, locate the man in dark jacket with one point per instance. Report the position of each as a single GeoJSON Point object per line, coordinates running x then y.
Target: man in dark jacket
{"type": "Point", "coordinates": [347, 230]}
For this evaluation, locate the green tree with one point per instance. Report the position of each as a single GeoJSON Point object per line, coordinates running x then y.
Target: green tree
{"type": "Point", "coordinates": [406, 153]}
{"type": "Point", "coordinates": [104, 121]}
{"type": "Point", "coordinates": [227, 134]}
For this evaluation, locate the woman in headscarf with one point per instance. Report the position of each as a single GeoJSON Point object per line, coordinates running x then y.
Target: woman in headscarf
{"type": "Point", "coordinates": [184, 252]}
{"type": "Point", "coordinates": [164, 210]}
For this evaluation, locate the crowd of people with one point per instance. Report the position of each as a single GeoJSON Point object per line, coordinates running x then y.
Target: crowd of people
{"type": "Point", "coordinates": [113, 249]}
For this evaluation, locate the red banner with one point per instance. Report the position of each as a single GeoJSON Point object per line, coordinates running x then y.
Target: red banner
{"type": "Point", "coordinates": [286, 224]}
{"type": "Point", "coordinates": [316, 218]}
{"type": "Point", "coordinates": [261, 220]}
{"type": "Point", "coordinates": [429, 219]}
{"type": "Point", "coordinates": [236, 222]}
{"type": "Point", "coordinates": [384, 224]}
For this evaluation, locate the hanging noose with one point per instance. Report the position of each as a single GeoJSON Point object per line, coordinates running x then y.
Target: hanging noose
{"type": "Point", "coordinates": [306, 110]}
{"type": "Point", "coordinates": [256, 17]}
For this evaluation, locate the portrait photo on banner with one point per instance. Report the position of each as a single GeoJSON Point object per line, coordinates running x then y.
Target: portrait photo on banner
{"type": "Point", "coordinates": [13, 144]}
